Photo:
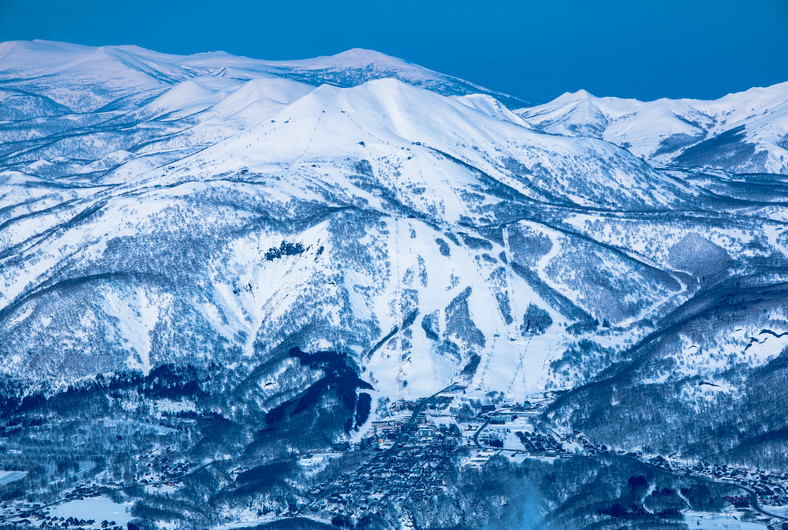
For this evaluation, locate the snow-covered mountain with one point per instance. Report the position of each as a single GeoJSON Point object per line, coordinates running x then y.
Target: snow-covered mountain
{"type": "Point", "coordinates": [210, 210]}
{"type": "Point", "coordinates": [84, 78]}
{"type": "Point", "coordinates": [739, 133]}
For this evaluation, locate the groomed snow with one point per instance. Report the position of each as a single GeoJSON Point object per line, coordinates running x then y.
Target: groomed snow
{"type": "Point", "coordinates": [97, 508]}
{"type": "Point", "coordinates": [7, 477]}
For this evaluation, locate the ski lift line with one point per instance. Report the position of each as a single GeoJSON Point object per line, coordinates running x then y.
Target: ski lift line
{"type": "Point", "coordinates": [509, 273]}
{"type": "Point", "coordinates": [519, 368]}
{"type": "Point", "coordinates": [365, 132]}
{"type": "Point", "coordinates": [398, 309]}
{"type": "Point", "coordinates": [545, 364]}
{"type": "Point", "coordinates": [300, 157]}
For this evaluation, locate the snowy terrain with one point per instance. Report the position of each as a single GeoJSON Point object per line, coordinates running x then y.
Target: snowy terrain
{"type": "Point", "coordinates": [96, 508]}
{"type": "Point", "coordinates": [147, 196]}
{"type": "Point", "coordinates": [740, 133]}
{"type": "Point", "coordinates": [7, 477]}
{"type": "Point", "coordinates": [211, 212]}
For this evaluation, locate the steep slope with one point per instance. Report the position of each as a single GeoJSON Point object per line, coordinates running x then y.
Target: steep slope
{"type": "Point", "coordinates": [273, 206]}
{"type": "Point", "coordinates": [240, 212]}
{"type": "Point", "coordinates": [357, 66]}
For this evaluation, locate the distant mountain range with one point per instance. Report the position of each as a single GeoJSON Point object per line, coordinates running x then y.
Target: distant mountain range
{"type": "Point", "coordinates": [739, 133]}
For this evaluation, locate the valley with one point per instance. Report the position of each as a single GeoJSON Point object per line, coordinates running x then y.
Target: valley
{"type": "Point", "coordinates": [413, 457]}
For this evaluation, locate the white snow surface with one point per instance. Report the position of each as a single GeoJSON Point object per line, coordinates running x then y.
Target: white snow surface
{"type": "Point", "coordinates": [96, 508]}
{"type": "Point", "coordinates": [163, 208]}
{"type": "Point", "coordinates": [664, 129]}
{"type": "Point", "coordinates": [7, 477]}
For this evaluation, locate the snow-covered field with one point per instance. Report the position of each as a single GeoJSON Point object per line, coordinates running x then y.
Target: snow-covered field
{"type": "Point", "coordinates": [727, 521]}
{"type": "Point", "coordinates": [7, 477]}
{"type": "Point", "coordinates": [97, 508]}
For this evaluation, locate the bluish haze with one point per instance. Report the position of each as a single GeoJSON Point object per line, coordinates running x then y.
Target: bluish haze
{"type": "Point", "coordinates": [536, 50]}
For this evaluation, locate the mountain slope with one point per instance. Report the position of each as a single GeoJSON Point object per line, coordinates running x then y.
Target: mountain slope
{"type": "Point", "coordinates": [86, 78]}
{"type": "Point", "coordinates": [250, 250]}
{"type": "Point", "coordinates": [266, 177]}
{"type": "Point", "coordinates": [361, 160]}
{"type": "Point", "coordinates": [740, 133]}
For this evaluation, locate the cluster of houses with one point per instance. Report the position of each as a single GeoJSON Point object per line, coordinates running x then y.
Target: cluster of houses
{"type": "Point", "coordinates": [412, 451]}
{"type": "Point", "coordinates": [540, 443]}
{"type": "Point", "coordinates": [155, 469]}
{"type": "Point", "coordinates": [152, 469]}
{"type": "Point", "coordinates": [36, 514]}
{"type": "Point", "coordinates": [413, 472]}
{"type": "Point", "coordinates": [45, 521]}
{"type": "Point", "coordinates": [770, 488]}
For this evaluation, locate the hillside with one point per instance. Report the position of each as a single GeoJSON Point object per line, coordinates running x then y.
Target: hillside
{"type": "Point", "coordinates": [248, 262]}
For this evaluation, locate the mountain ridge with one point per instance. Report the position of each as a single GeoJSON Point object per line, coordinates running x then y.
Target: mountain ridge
{"type": "Point", "coordinates": [346, 68]}
{"type": "Point", "coordinates": [741, 132]}
{"type": "Point", "coordinates": [273, 257]}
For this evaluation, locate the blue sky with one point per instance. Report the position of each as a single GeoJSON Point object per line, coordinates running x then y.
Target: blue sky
{"type": "Point", "coordinates": [537, 50]}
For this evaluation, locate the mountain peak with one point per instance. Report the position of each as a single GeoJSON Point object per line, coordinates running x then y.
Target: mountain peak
{"type": "Point", "coordinates": [348, 68]}
{"type": "Point", "coordinates": [363, 56]}
{"type": "Point", "coordinates": [354, 58]}
{"type": "Point", "coordinates": [221, 276]}
{"type": "Point", "coordinates": [579, 95]}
